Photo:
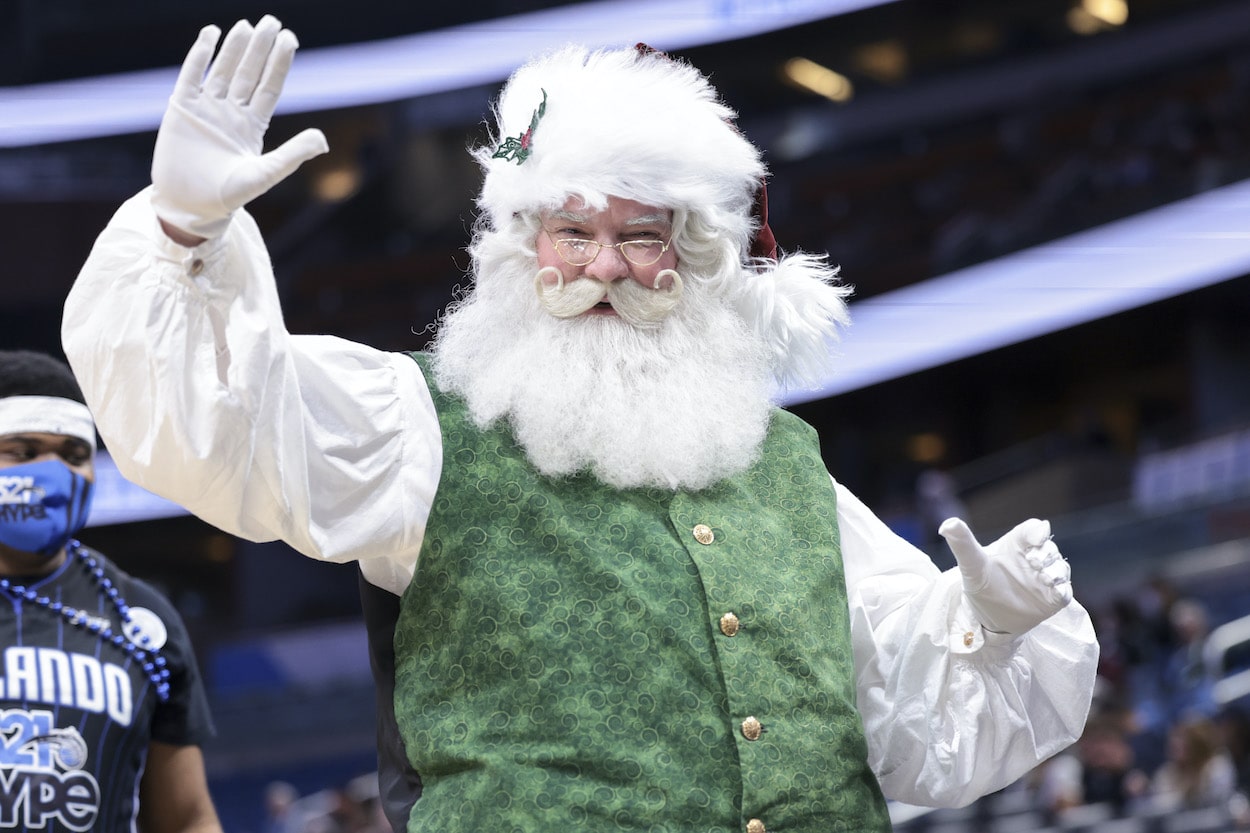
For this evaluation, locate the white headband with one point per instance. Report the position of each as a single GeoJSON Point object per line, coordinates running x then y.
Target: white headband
{"type": "Point", "coordinates": [47, 415]}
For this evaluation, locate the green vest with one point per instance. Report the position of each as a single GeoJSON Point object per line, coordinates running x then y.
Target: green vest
{"type": "Point", "coordinates": [572, 657]}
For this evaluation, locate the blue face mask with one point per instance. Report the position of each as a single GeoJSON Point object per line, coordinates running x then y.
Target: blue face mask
{"type": "Point", "coordinates": [42, 506]}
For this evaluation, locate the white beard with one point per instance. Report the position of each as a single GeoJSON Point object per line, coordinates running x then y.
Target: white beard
{"type": "Point", "coordinates": [682, 407]}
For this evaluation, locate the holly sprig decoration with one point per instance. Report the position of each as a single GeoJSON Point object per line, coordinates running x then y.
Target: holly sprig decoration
{"type": "Point", "coordinates": [517, 148]}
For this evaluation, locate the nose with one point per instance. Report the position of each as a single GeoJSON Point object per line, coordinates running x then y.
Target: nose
{"type": "Point", "coordinates": [53, 455]}
{"type": "Point", "coordinates": [608, 267]}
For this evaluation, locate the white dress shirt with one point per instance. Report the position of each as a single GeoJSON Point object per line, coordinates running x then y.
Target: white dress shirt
{"type": "Point", "coordinates": [204, 398]}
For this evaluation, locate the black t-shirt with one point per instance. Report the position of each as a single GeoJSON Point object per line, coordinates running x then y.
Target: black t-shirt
{"type": "Point", "coordinates": [77, 712]}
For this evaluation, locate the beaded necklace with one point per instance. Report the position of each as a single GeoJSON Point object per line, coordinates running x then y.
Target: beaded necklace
{"type": "Point", "coordinates": [141, 649]}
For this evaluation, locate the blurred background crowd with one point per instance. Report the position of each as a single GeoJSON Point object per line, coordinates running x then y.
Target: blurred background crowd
{"type": "Point", "coordinates": [1088, 159]}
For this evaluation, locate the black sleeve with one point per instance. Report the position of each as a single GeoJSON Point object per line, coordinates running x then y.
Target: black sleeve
{"type": "Point", "coordinates": [399, 785]}
{"type": "Point", "coordinates": [184, 719]}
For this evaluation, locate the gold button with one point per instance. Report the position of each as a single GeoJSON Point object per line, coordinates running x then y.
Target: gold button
{"type": "Point", "coordinates": [968, 637]}
{"type": "Point", "coordinates": [729, 624]}
{"type": "Point", "coordinates": [703, 534]}
{"type": "Point", "coordinates": [751, 729]}
{"type": "Point", "coordinates": [197, 266]}
{"type": "Point", "coordinates": [756, 826]}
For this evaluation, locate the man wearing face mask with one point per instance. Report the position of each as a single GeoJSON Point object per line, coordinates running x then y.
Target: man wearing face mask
{"type": "Point", "coordinates": [102, 704]}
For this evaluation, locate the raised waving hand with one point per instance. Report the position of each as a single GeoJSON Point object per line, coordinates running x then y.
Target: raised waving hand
{"type": "Point", "coordinates": [209, 158]}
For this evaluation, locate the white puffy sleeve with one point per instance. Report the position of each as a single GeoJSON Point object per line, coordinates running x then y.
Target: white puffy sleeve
{"type": "Point", "coordinates": [204, 398]}
{"type": "Point", "coordinates": [950, 712]}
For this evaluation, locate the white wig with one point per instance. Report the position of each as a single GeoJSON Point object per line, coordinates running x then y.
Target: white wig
{"type": "Point", "coordinates": [639, 125]}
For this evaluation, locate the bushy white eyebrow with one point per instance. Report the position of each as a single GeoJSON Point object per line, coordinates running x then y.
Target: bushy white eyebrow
{"type": "Point", "coordinates": [649, 220]}
{"type": "Point", "coordinates": [582, 219]}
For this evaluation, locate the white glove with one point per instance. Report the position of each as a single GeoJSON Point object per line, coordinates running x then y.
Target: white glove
{"type": "Point", "coordinates": [208, 161]}
{"type": "Point", "coordinates": [1016, 582]}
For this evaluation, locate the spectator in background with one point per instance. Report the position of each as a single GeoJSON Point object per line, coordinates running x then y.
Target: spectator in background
{"type": "Point", "coordinates": [1130, 647]}
{"type": "Point", "coordinates": [104, 709]}
{"type": "Point", "coordinates": [1198, 771]}
{"type": "Point", "coordinates": [1235, 734]}
{"type": "Point", "coordinates": [1187, 688]}
{"type": "Point", "coordinates": [1109, 774]}
{"type": "Point", "coordinates": [1099, 769]}
{"type": "Point", "coordinates": [1131, 663]}
{"type": "Point", "coordinates": [280, 798]}
{"type": "Point", "coordinates": [1155, 600]}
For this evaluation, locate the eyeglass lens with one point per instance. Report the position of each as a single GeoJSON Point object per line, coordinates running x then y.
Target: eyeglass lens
{"type": "Point", "coordinates": [582, 252]}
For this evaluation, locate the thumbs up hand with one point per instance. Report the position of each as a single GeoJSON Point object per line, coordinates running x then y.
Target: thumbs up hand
{"type": "Point", "coordinates": [208, 159]}
{"type": "Point", "coordinates": [1016, 582]}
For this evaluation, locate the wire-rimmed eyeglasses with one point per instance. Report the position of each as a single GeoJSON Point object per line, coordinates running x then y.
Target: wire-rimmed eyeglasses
{"type": "Point", "coordinates": [581, 251]}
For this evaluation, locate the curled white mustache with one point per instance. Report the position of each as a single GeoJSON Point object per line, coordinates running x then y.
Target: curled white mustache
{"type": "Point", "coordinates": [639, 306]}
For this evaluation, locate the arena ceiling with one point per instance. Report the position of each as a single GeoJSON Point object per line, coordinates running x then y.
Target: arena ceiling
{"type": "Point", "coordinates": [913, 66]}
